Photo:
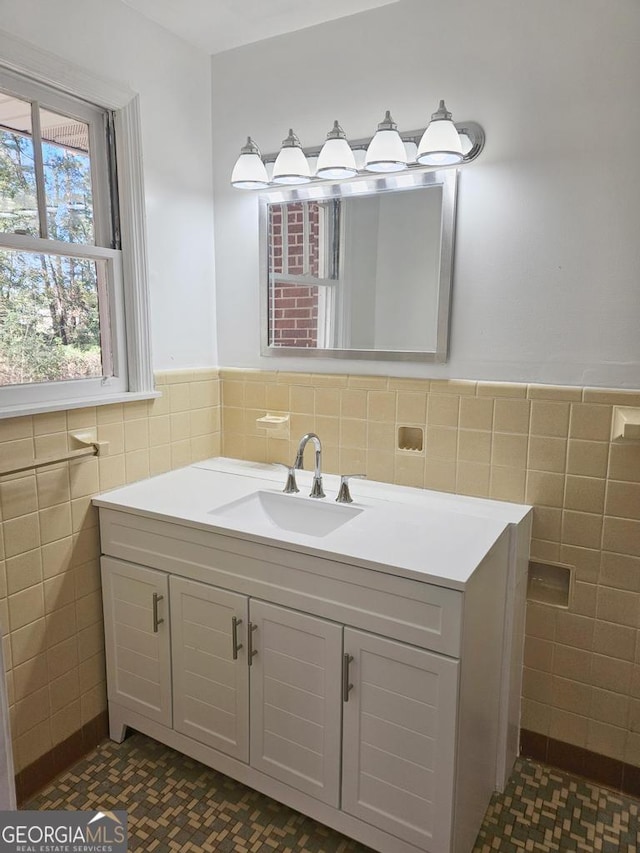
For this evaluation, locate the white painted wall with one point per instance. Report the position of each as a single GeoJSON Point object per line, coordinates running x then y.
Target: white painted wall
{"type": "Point", "coordinates": [547, 265]}
{"type": "Point", "coordinates": [173, 80]}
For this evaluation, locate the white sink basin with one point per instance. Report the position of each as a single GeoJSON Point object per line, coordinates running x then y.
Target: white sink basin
{"type": "Point", "coordinates": [313, 517]}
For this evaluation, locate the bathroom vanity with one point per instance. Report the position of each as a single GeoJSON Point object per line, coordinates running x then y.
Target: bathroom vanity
{"type": "Point", "coordinates": [360, 663]}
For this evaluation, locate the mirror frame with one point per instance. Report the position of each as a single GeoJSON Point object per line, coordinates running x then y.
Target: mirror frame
{"type": "Point", "coordinates": [360, 186]}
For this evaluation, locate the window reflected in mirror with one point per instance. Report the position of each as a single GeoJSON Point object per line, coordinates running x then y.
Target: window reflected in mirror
{"type": "Point", "coordinates": [362, 275]}
{"type": "Point", "coordinates": [302, 271]}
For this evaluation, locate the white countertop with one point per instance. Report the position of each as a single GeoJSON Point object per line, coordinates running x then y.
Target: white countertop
{"type": "Point", "coordinates": [426, 535]}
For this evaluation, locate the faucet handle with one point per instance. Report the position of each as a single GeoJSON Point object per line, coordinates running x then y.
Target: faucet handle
{"type": "Point", "coordinates": [291, 487]}
{"type": "Point", "coordinates": [344, 495]}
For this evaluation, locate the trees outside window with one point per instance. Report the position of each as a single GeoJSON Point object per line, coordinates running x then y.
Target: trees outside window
{"type": "Point", "coordinates": [51, 326]}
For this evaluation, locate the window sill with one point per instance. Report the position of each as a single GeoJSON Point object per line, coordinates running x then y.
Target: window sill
{"type": "Point", "coordinates": [78, 403]}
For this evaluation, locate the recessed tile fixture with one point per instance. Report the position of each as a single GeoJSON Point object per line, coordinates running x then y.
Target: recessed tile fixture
{"type": "Point", "coordinates": [411, 439]}
{"type": "Point", "coordinates": [176, 803]}
{"type": "Point", "coordinates": [549, 583]}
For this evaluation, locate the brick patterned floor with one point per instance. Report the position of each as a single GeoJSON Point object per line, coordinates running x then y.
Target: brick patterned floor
{"type": "Point", "coordinates": [177, 804]}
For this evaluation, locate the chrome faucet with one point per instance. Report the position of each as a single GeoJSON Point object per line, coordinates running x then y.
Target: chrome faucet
{"type": "Point", "coordinates": [316, 489]}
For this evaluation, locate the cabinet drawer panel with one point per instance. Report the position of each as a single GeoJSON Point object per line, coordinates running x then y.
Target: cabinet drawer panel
{"type": "Point", "coordinates": [300, 760]}
{"type": "Point", "coordinates": [294, 727]}
{"type": "Point", "coordinates": [213, 669]}
{"type": "Point", "coordinates": [399, 740]}
{"type": "Point", "coordinates": [409, 811]}
{"type": "Point", "coordinates": [209, 614]}
{"type": "Point", "coordinates": [414, 612]}
{"type": "Point", "coordinates": [276, 693]}
{"type": "Point", "coordinates": [205, 717]}
{"type": "Point", "coordinates": [130, 615]}
{"type": "Point", "coordinates": [135, 638]}
{"type": "Point", "coordinates": [133, 663]}
{"type": "Point", "coordinates": [135, 688]}
{"type": "Point", "coordinates": [400, 773]}
{"type": "Point", "coordinates": [209, 641]}
{"type": "Point", "coordinates": [210, 696]}
{"type": "Point", "coordinates": [399, 710]}
{"type": "Point", "coordinates": [403, 741]}
{"type": "Point", "coordinates": [293, 672]}
{"type": "Point", "coordinates": [211, 692]}
{"type": "Point", "coordinates": [295, 646]}
{"type": "Point", "coordinates": [385, 674]}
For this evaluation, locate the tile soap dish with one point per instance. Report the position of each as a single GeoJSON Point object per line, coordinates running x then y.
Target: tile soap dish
{"type": "Point", "coordinates": [626, 424]}
{"type": "Point", "coordinates": [276, 426]}
{"type": "Point", "coordinates": [549, 583]}
{"type": "Point", "coordinates": [411, 439]}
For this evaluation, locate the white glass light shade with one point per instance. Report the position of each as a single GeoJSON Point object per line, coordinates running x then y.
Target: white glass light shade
{"type": "Point", "coordinates": [336, 160]}
{"type": "Point", "coordinates": [440, 144]}
{"type": "Point", "coordinates": [249, 172]}
{"type": "Point", "coordinates": [386, 151]}
{"type": "Point", "coordinates": [291, 166]}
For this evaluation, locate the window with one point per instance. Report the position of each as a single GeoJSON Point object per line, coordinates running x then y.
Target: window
{"type": "Point", "coordinates": [303, 272]}
{"type": "Point", "coordinates": [65, 280]}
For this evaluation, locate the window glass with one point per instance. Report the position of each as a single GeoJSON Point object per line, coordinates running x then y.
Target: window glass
{"type": "Point", "coordinates": [50, 318]}
{"type": "Point", "coordinates": [67, 178]}
{"type": "Point", "coordinates": [18, 195]}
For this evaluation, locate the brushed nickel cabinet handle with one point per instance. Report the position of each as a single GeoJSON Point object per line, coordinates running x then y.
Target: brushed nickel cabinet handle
{"type": "Point", "coordinates": [346, 686]}
{"type": "Point", "coordinates": [156, 621]}
{"type": "Point", "coordinates": [234, 636]}
{"type": "Point", "coordinates": [250, 650]}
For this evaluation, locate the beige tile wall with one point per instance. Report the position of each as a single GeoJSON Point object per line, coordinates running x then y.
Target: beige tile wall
{"type": "Point", "coordinates": [50, 605]}
{"type": "Point", "coordinates": [544, 445]}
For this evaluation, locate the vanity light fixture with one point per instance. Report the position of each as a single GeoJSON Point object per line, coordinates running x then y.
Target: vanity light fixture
{"type": "Point", "coordinates": [336, 160]}
{"type": "Point", "coordinates": [291, 166]}
{"type": "Point", "coordinates": [440, 144]}
{"type": "Point", "coordinates": [249, 172]}
{"type": "Point", "coordinates": [386, 151]}
{"type": "Point", "coordinates": [444, 143]}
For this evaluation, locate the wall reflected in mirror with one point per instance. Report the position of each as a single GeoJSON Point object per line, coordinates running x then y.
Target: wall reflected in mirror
{"type": "Point", "coordinates": [360, 275]}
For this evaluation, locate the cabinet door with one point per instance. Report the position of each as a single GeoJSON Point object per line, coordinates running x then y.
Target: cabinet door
{"type": "Point", "coordinates": [210, 673]}
{"type": "Point", "coordinates": [295, 699]}
{"type": "Point", "coordinates": [136, 624]}
{"type": "Point", "coordinates": [398, 752]}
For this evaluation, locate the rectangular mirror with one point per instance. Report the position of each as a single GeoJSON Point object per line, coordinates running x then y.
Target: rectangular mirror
{"type": "Point", "coordinates": [360, 269]}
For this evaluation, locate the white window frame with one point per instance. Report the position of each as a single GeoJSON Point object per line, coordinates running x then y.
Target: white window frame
{"type": "Point", "coordinates": [130, 311]}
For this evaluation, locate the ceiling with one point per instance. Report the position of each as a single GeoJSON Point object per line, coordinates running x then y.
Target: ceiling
{"type": "Point", "coordinates": [15, 114]}
{"type": "Point", "coordinates": [217, 25]}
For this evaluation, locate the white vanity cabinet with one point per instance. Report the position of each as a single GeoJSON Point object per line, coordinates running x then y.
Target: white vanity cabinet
{"type": "Point", "coordinates": [217, 664]}
{"type": "Point", "coordinates": [399, 734]}
{"type": "Point", "coordinates": [367, 699]}
{"type": "Point", "coordinates": [138, 648]}
{"type": "Point", "coordinates": [210, 677]}
{"type": "Point", "coordinates": [344, 716]}
{"type": "Point", "coordinates": [295, 699]}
